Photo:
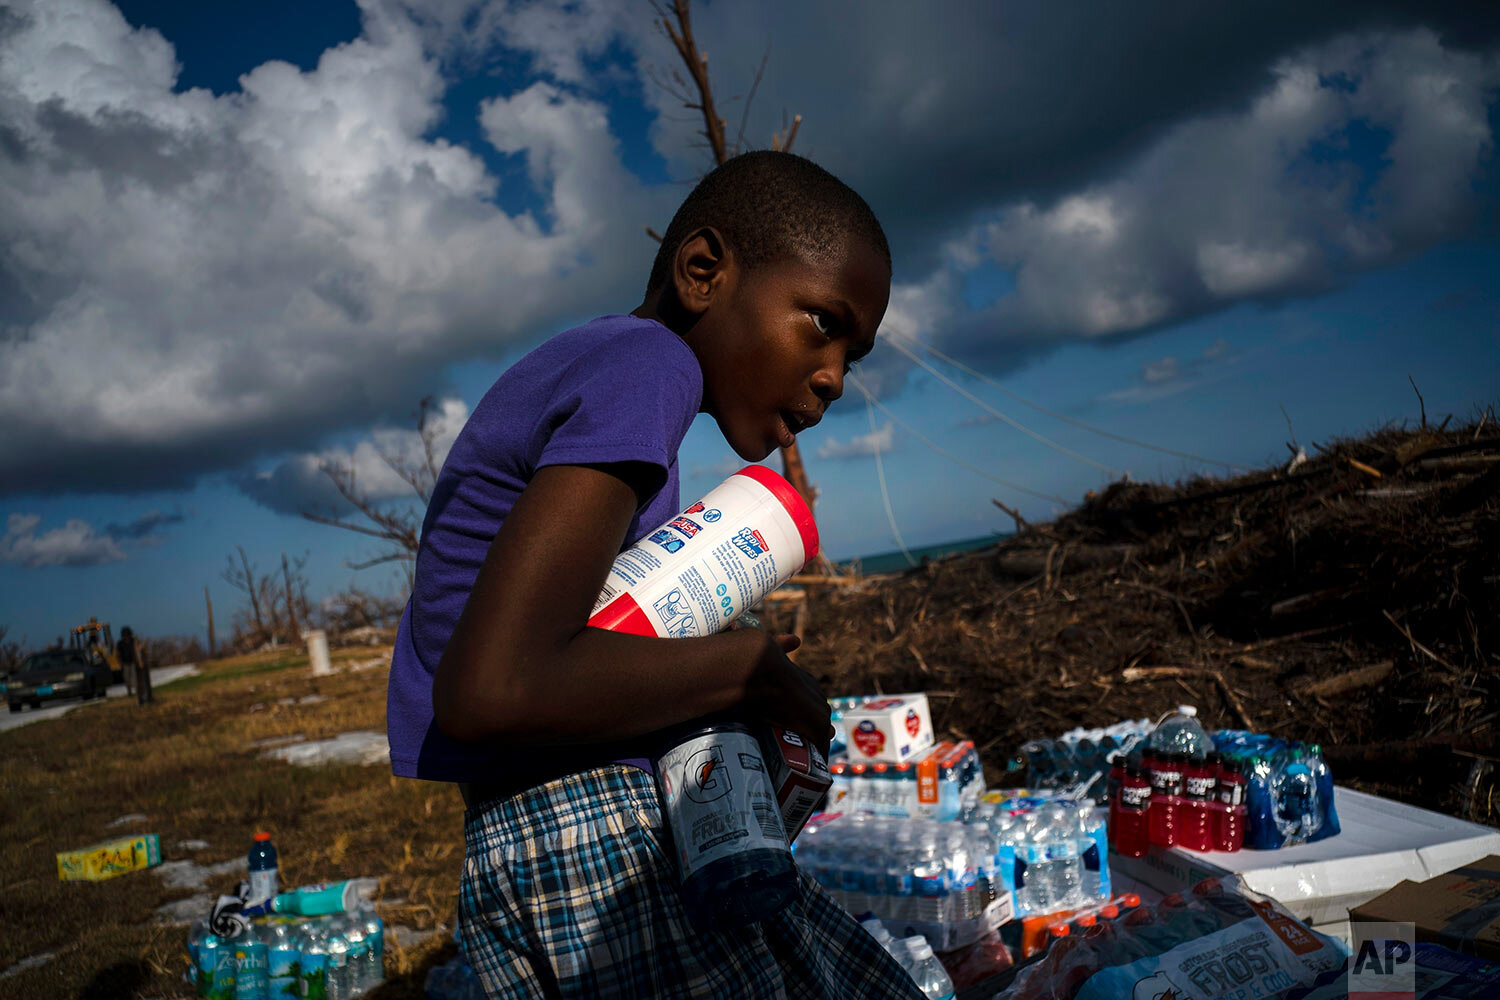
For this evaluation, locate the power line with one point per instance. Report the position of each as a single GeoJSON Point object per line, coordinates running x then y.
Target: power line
{"type": "Point", "coordinates": [1066, 419]}
{"type": "Point", "coordinates": [996, 413]}
{"type": "Point", "coordinates": [870, 398]}
{"type": "Point", "coordinates": [885, 494]}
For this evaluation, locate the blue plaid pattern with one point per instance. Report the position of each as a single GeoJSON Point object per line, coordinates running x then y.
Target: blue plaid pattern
{"type": "Point", "coordinates": [567, 892]}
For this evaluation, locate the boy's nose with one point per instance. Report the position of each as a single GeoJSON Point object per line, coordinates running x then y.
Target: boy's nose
{"type": "Point", "coordinates": [828, 380]}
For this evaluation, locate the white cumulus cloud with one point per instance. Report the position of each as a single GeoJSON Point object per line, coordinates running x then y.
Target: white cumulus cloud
{"type": "Point", "coordinates": [860, 445]}
{"type": "Point", "coordinates": [253, 270]}
{"type": "Point", "coordinates": [76, 543]}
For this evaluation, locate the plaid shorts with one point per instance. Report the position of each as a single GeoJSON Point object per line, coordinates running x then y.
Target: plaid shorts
{"type": "Point", "coordinates": [567, 892]}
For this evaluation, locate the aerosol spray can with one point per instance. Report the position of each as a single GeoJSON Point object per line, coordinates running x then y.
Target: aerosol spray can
{"type": "Point", "coordinates": [693, 576]}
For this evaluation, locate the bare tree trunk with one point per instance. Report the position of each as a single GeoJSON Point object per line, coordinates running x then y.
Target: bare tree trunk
{"type": "Point", "coordinates": [208, 601]}
{"type": "Point", "coordinates": [253, 590]}
{"type": "Point", "coordinates": [713, 130]}
{"type": "Point", "coordinates": [293, 632]}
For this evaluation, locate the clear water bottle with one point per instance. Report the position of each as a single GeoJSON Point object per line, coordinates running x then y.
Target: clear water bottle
{"type": "Point", "coordinates": [374, 947]}
{"type": "Point", "coordinates": [1294, 799]}
{"type": "Point", "coordinates": [928, 973]}
{"type": "Point", "coordinates": [313, 962]}
{"type": "Point", "coordinates": [263, 873]}
{"type": "Point", "coordinates": [250, 965]}
{"type": "Point", "coordinates": [1323, 778]}
{"type": "Point", "coordinates": [930, 879]}
{"type": "Point", "coordinates": [1066, 871]}
{"type": "Point", "coordinates": [283, 956]}
{"type": "Point", "coordinates": [1181, 733]}
{"type": "Point", "coordinates": [903, 952]}
{"type": "Point", "coordinates": [900, 879]}
{"type": "Point", "coordinates": [215, 965]}
{"type": "Point", "coordinates": [353, 931]}
{"type": "Point", "coordinates": [339, 985]}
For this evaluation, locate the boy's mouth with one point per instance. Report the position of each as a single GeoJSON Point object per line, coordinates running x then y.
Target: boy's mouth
{"type": "Point", "coordinates": [789, 425]}
{"type": "Point", "coordinates": [785, 436]}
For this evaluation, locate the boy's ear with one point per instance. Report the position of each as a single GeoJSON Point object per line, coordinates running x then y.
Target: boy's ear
{"type": "Point", "coordinates": [702, 266]}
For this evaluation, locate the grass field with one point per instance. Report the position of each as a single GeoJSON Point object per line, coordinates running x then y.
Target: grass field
{"type": "Point", "coordinates": [189, 763]}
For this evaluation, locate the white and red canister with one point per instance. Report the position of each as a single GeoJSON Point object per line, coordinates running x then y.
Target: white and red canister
{"type": "Point", "coordinates": [708, 565]}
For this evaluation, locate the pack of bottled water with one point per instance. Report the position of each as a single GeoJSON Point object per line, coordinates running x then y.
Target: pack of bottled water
{"type": "Point", "coordinates": [321, 942]}
{"type": "Point", "coordinates": [334, 957]}
{"type": "Point", "coordinates": [942, 783]}
{"type": "Point", "coordinates": [1289, 789]}
{"type": "Point", "coordinates": [955, 881]}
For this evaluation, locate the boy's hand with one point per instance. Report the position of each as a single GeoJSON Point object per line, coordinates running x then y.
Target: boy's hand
{"type": "Point", "coordinates": [782, 693]}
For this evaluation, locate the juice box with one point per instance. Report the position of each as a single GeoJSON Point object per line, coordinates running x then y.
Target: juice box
{"type": "Point", "coordinates": [799, 774]}
{"type": "Point", "coordinates": [110, 858]}
{"type": "Point", "coordinates": [893, 729]}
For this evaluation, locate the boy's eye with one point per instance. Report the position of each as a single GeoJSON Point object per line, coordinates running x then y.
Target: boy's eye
{"type": "Point", "coordinates": [822, 322]}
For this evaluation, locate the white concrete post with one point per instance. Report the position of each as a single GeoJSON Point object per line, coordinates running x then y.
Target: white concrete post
{"type": "Point", "coordinates": [317, 652]}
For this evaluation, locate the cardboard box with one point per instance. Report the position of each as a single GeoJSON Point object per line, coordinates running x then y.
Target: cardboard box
{"type": "Point", "coordinates": [799, 774]}
{"type": "Point", "coordinates": [1459, 910]}
{"type": "Point", "coordinates": [891, 729]}
{"type": "Point", "coordinates": [111, 858]}
{"type": "Point", "coordinates": [1382, 843]}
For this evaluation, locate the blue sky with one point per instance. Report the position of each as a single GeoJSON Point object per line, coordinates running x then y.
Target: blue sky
{"type": "Point", "coordinates": [245, 237]}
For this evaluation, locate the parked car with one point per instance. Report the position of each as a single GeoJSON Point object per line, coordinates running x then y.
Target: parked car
{"type": "Point", "coordinates": [55, 674]}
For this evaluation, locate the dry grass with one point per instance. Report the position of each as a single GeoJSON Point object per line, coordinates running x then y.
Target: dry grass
{"type": "Point", "coordinates": [188, 763]}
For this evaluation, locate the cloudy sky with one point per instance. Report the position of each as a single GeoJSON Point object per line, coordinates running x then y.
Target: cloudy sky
{"type": "Point", "coordinates": [238, 240]}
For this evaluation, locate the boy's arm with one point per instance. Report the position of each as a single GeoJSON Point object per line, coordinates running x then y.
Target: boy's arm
{"type": "Point", "coordinates": [523, 664]}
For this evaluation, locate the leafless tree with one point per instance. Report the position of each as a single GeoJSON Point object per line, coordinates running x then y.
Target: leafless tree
{"type": "Point", "coordinates": [397, 526]}
{"type": "Point", "coordinates": [696, 94]}
{"type": "Point", "coordinates": [360, 608]}
{"type": "Point", "coordinates": [242, 576]}
{"type": "Point", "coordinates": [277, 606]}
{"type": "Point", "coordinates": [11, 653]}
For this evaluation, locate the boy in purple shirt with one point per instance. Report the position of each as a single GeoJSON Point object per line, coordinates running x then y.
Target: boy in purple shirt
{"type": "Point", "coordinates": [770, 282]}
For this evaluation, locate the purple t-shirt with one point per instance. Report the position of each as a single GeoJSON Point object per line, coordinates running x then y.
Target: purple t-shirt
{"type": "Point", "coordinates": [618, 389]}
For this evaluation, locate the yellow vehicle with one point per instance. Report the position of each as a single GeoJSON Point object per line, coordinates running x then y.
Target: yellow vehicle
{"type": "Point", "coordinates": [96, 642]}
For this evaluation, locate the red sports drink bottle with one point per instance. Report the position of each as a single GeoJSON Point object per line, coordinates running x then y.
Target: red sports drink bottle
{"type": "Point", "coordinates": [1229, 811]}
{"type": "Point", "coordinates": [1128, 823]}
{"type": "Point", "coordinates": [1195, 815]}
{"type": "Point", "coordinates": [1166, 791]}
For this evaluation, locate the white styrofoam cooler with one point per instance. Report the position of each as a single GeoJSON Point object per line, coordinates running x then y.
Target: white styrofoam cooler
{"type": "Point", "coordinates": [1382, 843]}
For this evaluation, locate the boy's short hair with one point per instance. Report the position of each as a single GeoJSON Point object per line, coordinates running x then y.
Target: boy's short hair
{"type": "Point", "coordinates": [770, 205]}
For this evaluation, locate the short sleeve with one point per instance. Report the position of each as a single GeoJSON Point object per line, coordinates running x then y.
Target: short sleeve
{"type": "Point", "coordinates": [629, 399]}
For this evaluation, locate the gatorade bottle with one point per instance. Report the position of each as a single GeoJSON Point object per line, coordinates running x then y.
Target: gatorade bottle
{"type": "Point", "coordinates": [262, 871]}
{"type": "Point", "coordinates": [727, 835]}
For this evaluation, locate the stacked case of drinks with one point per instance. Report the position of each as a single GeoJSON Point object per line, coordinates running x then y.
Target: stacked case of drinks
{"type": "Point", "coordinates": [942, 880]}
{"type": "Point", "coordinates": [955, 881]}
{"type": "Point", "coordinates": [1221, 793]}
{"type": "Point", "coordinates": [1078, 760]}
{"type": "Point", "coordinates": [942, 783]}
{"type": "Point", "coordinates": [319, 942]}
